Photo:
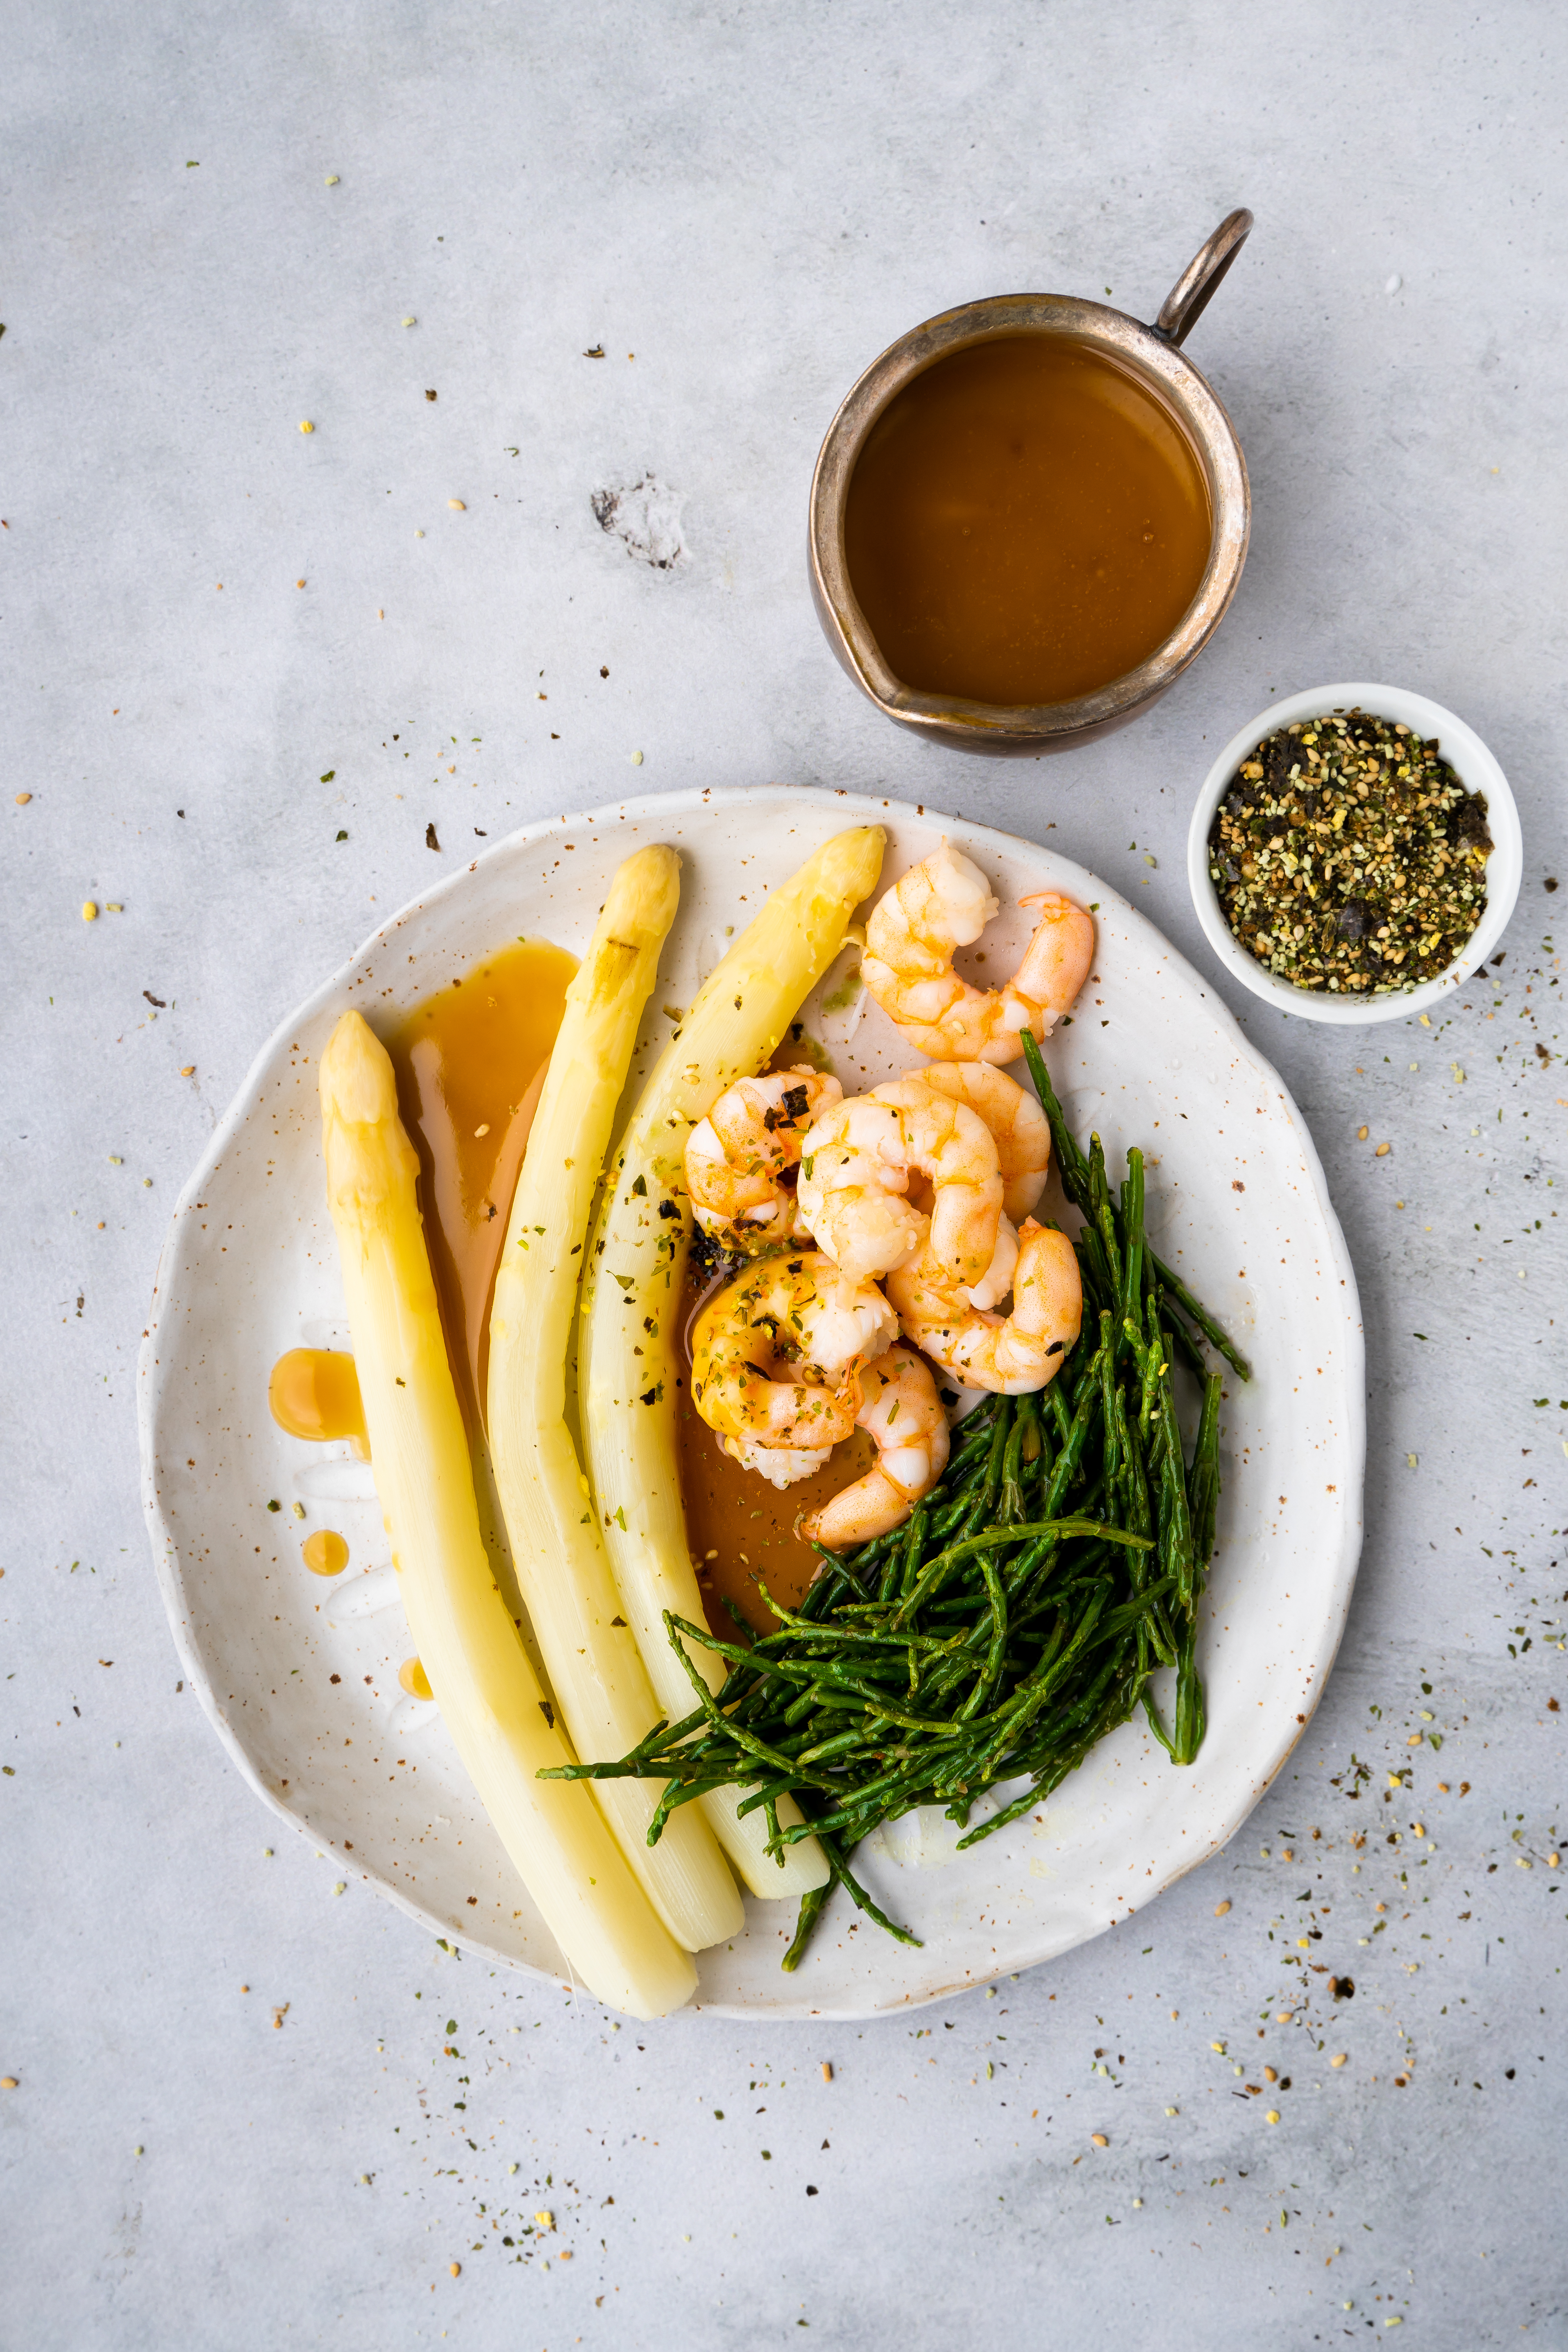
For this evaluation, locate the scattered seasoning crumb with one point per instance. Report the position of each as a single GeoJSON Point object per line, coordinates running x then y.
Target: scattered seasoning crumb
{"type": "Point", "coordinates": [331, 179]}
{"type": "Point", "coordinates": [23, 798]}
{"type": "Point", "coordinates": [458, 505]}
{"type": "Point", "coordinates": [1097, 2139]}
{"type": "Point", "coordinates": [187, 1069]}
{"type": "Point", "coordinates": [456, 2269]}
{"type": "Point", "coordinates": [1349, 856]}
{"type": "Point", "coordinates": [88, 911]}
{"type": "Point", "coordinates": [305, 425]}
{"type": "Point", "coordinates": [9, 2083]}
{"type": "Point", "coordinates": [1220, 1909]}
{"type": "Point", "coordinates": [1339, 2058]}
{"type": "Point", "coordinates": [637, 759]}
{"type": "Point", "coordinates": [410, 323]}
{"type": "Point", "coordinates": [826, 2071]}
{"type": "Point", "coordinates": [1272, 2116]}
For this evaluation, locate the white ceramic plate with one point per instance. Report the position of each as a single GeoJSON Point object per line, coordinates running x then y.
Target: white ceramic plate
{"type": "Point", "coordinates": [298, 1675]}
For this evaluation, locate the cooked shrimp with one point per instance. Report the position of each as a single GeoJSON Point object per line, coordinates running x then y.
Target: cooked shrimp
{"type": "Point", "coordinates": [856, 1166]}
{"type": "Point", "coordinates": [956, 1326]}
{"type": "Point", "coordinates": [944, 903]}
{"type": "Point", "coordinates": [739, 1160]}
{"type": "Point", "coordinates": [900, 1409]}
{"type": "Point", "coordinates": [776, 1359]}
{"type": "Point", "coordinates": [1019, 1127]}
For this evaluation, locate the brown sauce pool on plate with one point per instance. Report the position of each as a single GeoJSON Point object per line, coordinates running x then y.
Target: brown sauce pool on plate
{"type": "Point", "coordinates": [470, 1063]}
{"type": "Point", "coordinates": [739, 1527]}
{"type": "Point", "coordinates": [1026, 523]}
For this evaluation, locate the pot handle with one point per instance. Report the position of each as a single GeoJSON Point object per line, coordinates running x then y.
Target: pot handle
{"type": "Point", "coordinates": [1199, 281]}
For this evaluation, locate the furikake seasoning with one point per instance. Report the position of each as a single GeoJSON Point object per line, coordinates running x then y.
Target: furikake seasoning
{"type": "Point", "coordinates": [1349, 856]}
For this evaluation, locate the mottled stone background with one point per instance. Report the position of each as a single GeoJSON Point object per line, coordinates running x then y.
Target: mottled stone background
{"type": "Point", "coordinates": [217, 222]}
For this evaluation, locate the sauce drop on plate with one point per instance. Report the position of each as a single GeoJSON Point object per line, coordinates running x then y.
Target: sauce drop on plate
{"type": "Point", "coordinates": [325, 1553]}
{"type": "Point", "coordinates": [470, 1063]}
{"type": "Point", "coordinates": [314, 1392]}
{"type": "Point", "coordinates": [1026, 522]}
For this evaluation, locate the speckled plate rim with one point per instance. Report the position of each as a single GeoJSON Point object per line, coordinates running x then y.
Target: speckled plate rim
{"type": "Point", "coordinates": [1337, 1574]}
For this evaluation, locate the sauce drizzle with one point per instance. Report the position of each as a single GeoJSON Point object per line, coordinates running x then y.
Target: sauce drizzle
{"type": "Point", "coordinates": [314, 1393]}
{"type": "Point", "coordinates": [325, 1553]}
{"type": "Point", "coordinates": [470, 1063]}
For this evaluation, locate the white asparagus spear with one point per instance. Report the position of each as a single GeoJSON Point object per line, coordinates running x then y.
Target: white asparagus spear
{"type": "Point", "coordinates": [635, 1295]}
{"type": "Point", "coordinates": [490, 1699]}
{"type": "Point", "coordinates": [562, 1569]}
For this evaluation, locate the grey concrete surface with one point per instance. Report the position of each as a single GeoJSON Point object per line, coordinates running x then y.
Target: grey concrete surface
{"type": "Point", "coordinates": [228, 643]}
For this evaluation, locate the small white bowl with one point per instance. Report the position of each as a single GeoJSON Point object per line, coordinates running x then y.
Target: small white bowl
{"type": "Point", "coordinates": [1476, 769]}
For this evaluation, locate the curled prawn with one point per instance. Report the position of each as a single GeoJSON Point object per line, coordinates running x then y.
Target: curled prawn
{"type": "Point", "coordinates": [1019, 1127]}
{"type": "Point", "coordinates": [900, 1409]}
{"type": "Point", "coordinates": [776, 1359]}
{"type": "Point", "coordinates": [740, 1159]}
{"type": "Point", "coordinates": [944, 903]}
{"type": "Point", "coordinates": [855, 1174]}
{"type": "Point", "coordinates": [954, 1325]}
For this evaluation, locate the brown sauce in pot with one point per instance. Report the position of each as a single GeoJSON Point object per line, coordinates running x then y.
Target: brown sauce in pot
{"type": "Point", "coordinates": [1026, 522]}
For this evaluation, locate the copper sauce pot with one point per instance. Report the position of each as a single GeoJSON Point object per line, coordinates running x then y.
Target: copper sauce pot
{"type": "Point", "coordinates": [1152, 353]}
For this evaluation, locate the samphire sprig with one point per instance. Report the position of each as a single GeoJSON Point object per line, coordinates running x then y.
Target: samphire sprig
{"type": "Point", "coordinates": [1015, 1618]}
